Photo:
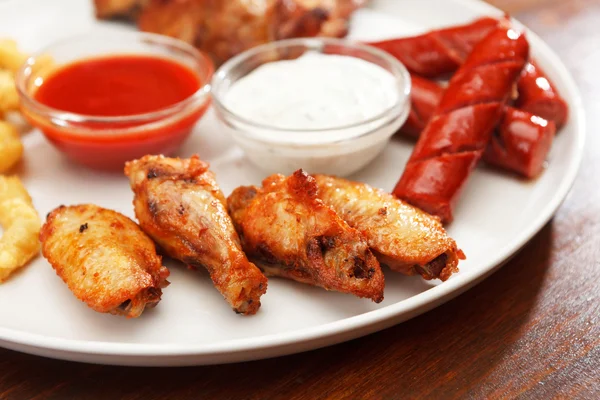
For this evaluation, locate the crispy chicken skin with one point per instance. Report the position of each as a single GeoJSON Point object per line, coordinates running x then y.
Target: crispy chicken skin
{"type": "Point", "coordinates": [402, 237]}
{"type": "Point", "coordinates": [104, 258]}
{"type": "Point", "coordinates": [224, 28]}
{"type": "Point", "coordinates": [179, 204]}
{"type": "Point", "coordinates": [289, 232]}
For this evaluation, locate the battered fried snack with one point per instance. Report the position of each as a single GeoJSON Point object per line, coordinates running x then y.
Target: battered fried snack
{"type": "Point", "coordinates": [9, 98]}
{"type": "Point", "coordinates": [11, 187]}
{"type": "Point", "coordinates": [11, 58]}
{"type": "Point", "coordinates": [287, 230]}
{"type": "Point", "coordinates": [401, 236]}
{"type": "Point", "coordinates": [104, 258]}
{"type": "Point", "coordinates": [11, 148]}
{"type": "Point", "coordinates": [21, 223]}
{"type": "Point", "coordinates": [180, 205]}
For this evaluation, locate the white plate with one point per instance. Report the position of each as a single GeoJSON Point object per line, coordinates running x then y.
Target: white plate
{"type": "Point", "coordinates": [497, 215]}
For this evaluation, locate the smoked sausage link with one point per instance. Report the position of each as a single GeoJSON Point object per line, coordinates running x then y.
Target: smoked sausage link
{"type": "Point", "coordinates": [425, 95]}
{"type": "Point", "coordinates": [519, 144]}
{"type": "Point", "coordinates": [538, 96]}
{"type": "Point", "coordinates": [440, 52]}
{"type": "Point", "coordinates": [455, 138]}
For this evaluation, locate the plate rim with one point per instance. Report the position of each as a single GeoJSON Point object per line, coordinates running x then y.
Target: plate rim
{"type": "Point", "coordinates": [329, 333]}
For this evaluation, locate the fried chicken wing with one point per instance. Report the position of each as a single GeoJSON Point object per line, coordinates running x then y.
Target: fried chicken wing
{"type": "Point", "coordinates": [179, 204]}
{"type": "Point", "coordinates": [307, 18]}
{"type": "Point", "coordinates": [119, 8]}
{"type": "Point", "coordinates": [104, 258]}
{"type": "Point", "coordinates": [226, 28]}
{"type": "Point", "coordinates": [402, 237]}
{"type": "Point", "coordinates": [289, 232]}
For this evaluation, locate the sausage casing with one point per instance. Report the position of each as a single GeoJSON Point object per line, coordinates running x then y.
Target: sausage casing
{"type": "Point", "coordinates": [440, 52]}
{"type": "Point", "coordinates": [520, 143]}
{"type": "Point", "coordinates": [455, 138]}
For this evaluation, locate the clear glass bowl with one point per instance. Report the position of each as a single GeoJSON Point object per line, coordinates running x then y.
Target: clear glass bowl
{"type": "Point", "coordinates": [277, 150]}
{"type": "Point", "coordinates": [108, 142]}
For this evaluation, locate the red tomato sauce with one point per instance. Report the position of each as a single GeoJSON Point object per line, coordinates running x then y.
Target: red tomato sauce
{"type": "Point", "coordinates": [118, 85]}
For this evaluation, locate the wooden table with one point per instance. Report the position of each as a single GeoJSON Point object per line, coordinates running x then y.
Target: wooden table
{"type": "Point", "coordinates": [530, 330]}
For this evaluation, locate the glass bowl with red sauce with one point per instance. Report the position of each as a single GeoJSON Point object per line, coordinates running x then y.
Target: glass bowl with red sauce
{"type": "Point", "coordinates": [104, 99]}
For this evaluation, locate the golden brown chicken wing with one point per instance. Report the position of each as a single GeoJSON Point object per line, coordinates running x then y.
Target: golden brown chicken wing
{"type": "Point", "coordinates": [402, 237]}
{"type": "Point", "coordinates": [104, 258]}
{"type": "Point", "coordinates": [119, 8]}
{"type": "Point", "coordinates": [289, 232]}
{"type": "Point", "coordinates": [179, 204]}
{"type": "Point", "coordinates": [226, 28]}
{"type": "Point", "coordinates": [183, 19]}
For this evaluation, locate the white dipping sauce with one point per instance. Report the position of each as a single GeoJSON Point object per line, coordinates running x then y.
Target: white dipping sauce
{"type": "Point", "coordinates": [314, 91]}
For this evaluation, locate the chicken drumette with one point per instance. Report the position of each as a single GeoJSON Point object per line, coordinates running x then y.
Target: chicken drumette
{"type": "Point", "coordinates": [179, 204]}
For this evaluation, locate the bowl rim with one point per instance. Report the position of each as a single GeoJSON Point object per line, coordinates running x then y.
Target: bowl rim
{"type": "Point", "coordinates": [208, 69]}
{"type": "Point", "coordinates": [399, 71]}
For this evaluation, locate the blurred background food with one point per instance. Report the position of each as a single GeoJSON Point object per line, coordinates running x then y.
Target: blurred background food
{"type": "Point", "coordinates": [226, 28]}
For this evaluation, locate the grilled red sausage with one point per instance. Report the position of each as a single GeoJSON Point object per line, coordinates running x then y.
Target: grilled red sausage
{"type": "Point", "coordinates": [456, 136]}
{"type": "Point", "coordinates": [520, 143]}
{"type": "Point", "coordinates": [425, 95]}
{"type": "Point", "coordinates": [440, 52]}
{"type": "Point", "coordinates": [538, 96]}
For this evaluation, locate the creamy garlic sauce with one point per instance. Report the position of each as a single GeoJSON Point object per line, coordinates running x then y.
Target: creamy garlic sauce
{"type": "Point", "coordinates": [314, 91]}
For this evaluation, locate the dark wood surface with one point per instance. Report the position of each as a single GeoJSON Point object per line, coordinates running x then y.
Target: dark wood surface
{"type": "Point", "coordinates": [531, 330]}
